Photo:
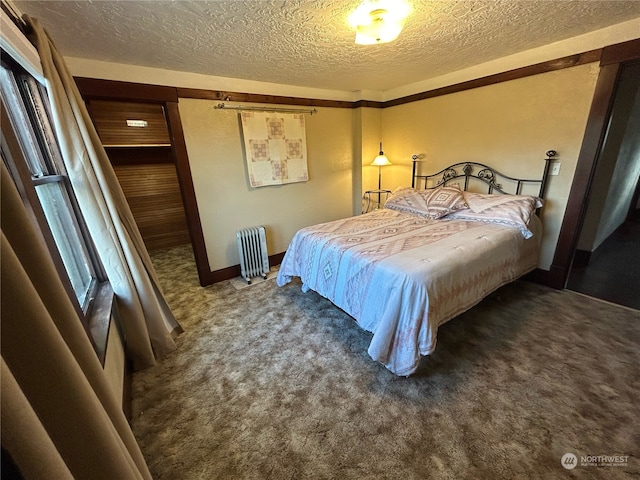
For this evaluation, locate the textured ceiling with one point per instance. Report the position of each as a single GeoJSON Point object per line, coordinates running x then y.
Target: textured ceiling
{"type": "Point", "coordinates": [309, 43]}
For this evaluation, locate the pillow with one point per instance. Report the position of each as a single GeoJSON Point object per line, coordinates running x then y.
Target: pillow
{"type": "Point", "coordinates": [432, 203]}
{"type": "Point", "coordinates": [509, 210]}
{"type": "Point", "coordinates": [479, 202]}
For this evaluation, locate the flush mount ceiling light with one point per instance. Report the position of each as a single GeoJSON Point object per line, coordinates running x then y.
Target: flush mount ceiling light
{"type": "Point", "coordinates": [379, 21]}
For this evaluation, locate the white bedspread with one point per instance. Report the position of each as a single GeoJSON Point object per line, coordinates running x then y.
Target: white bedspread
{"type": "Point", "coordinates": [402, 276]}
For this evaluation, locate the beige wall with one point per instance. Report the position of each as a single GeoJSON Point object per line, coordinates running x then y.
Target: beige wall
{"type": "Point", "coordinates": [512, 122]}
{"type": "Point", "coordinates": [509, 126]}
{"type": "Point", "coordinates": [227, 202]}
{"type": "Point", "coordinates": [369, 148]}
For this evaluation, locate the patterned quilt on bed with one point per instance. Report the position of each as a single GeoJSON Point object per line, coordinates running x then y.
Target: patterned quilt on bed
{"type": "Point", "coordinates": [401, 276]}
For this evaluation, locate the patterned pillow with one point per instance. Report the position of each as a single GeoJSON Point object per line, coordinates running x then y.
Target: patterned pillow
{"type": "Point", "coordinates": [510, 210]}
{"type": "Point", "coordinates": [432, 203]}
{"type": "Point", "coordinates": [479, 202]}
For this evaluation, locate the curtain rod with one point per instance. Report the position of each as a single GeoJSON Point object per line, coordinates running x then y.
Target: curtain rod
{"type": "Point", "coordinates": [267, 109]}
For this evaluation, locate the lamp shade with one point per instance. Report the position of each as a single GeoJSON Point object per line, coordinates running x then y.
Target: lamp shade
{"type": "Point", "coordinates": [381, 160]}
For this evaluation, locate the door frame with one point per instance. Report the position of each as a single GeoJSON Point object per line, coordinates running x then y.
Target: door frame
{"type": "Point", "coordinates": [93, 88]}
{"type": "Point", "coordinates": [612, 60]}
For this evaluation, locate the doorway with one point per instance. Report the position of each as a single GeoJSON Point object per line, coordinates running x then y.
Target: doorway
{"type": "Point", "coordinates": [164, 148]}
{"type": "Point", "coordinates": [606, 264]}
{"type": "Point", "coordinates": [135, 136]}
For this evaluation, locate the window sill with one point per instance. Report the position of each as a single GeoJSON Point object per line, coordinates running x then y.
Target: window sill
{"type": "Point", "coordinates": [99, 319]}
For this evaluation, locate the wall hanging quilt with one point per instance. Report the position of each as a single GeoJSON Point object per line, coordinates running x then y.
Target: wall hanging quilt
{"type": "Point", "coordinates": [276, 147]}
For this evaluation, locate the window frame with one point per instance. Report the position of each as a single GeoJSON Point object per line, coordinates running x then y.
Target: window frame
{"type": "Point", "coordinates": [96, 311]}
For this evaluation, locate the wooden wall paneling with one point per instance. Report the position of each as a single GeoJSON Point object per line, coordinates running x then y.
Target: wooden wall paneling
{"type": "Point", "coordinates": [110, 119]}
{"type": "Point", "coordinates": [154, 197]}
{"type": "Point", "coordinates": [138, 155]}
{"type": "Point", "coordinates": [92, 89]}
{"type": "Point", "coordinates": [143, 157]}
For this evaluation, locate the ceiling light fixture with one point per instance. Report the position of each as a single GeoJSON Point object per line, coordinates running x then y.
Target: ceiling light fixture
{"type": "Point", "coordinates": [379, 21]}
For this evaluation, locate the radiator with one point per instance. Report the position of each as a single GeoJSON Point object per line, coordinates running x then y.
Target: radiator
{"type": "Point", "coordinates": [252, 247]}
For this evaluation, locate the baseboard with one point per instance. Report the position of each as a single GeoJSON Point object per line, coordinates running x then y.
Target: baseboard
{"type": "Point", "coordinates": [582, 258]}
{"type": "Point", "coordinates": [557, 277]}
{"type": "Point", "coordinates": [537, 276]}
{"type": "Point", "coordinates": [234, 271]}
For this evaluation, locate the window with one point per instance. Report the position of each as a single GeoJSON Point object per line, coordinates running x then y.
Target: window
{"type": "Point", "coordinates": [38, 165]}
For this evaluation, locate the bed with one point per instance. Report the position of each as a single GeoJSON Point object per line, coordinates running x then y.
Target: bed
{"type": "Point", "coordinates": [436, 249]}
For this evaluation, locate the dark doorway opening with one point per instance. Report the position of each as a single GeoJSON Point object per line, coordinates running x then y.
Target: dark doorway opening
{"type": "Point", "coordinates": [606, 264]}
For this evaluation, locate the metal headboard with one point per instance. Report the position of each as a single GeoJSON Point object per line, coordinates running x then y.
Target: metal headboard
{"type": "Point", "coordinates": [481, 172]}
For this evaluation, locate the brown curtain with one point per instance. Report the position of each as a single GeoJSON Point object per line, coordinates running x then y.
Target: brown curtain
{"type": "Point", "coordinates": [59, 417]}
{"type": "Point", "coordinates": [148, 322]}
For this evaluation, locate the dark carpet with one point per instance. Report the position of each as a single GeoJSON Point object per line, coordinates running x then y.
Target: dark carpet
{"type": "Point", "coordinates": [613, 272]}
{"type": "Point", "coordinates": [271, 383]}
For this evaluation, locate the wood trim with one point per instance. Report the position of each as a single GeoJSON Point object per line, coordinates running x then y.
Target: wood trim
{"type": "Point", "coordinates": [557, 277]}
{"type": "Point", "coordinates": [188, 192]}
{"type": "Point", "coordinates": [582, 258]}
{"type": "Point", "coordinates": [276, 259]}
{"type": "Point", "coordinates": [116, 90]}
{"type": "Point", "coordinates": [611, 63]}
{"type": "Point", "coordinates": [234, 271]}
{"type": "Point", "coordinates": [550, 66]}
{"type": "Point", "coordinates": [224, 274]}
{"type": "Point", "coordinates": [590, 150]}
{"type": "Point", "coordinates": [99, 319]}
{"type": "Point", "coordinates": [125, 90]}
{"type": "Point", "coordinates": [537, 276]}
{"type": "Point", "coordinates": [368, 104]}
{"type": "Point", "coordinates": [112, 89]}
{"type": "Point", "coordinates": [260, 98]}
{"type": "Point", "coordinates": [621, 52]}
{"type": "Point", "coordinates": [91, 88]}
